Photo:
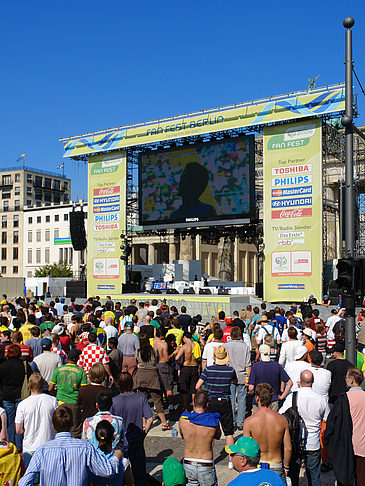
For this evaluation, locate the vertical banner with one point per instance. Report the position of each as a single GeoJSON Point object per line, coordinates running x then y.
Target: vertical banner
{"type": "Point", "coordinates": [106, 222]}
{"type": "Point", "coordinates": [293, 211]}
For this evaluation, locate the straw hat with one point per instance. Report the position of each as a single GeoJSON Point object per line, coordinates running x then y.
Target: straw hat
{"type": "Point", "coordinates": [220, 355]}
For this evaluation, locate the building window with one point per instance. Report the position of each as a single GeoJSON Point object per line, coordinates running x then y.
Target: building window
{"type": "Point", "coordinates": [4, 237]}
{"type": "Point", "coordinates": [65, 198]}
{"type": "Point", "coordinates": [6, 206]}
{"type": "Point", "coordinates": [65, 217]}
{"type": "Point", "coordinates": [4, 222]}
{"type": "Point", "coordinates": [29, 178]}
{"type": "Point", "coordinates": [6, 180]}
{"type": "Point", "coordinates": [17, 190]}
{"type": "Point", "coordinates": [56, 233]}
{"type": "Point", "coordinates": [30, 220]}
{"type": "Point", "coordinates": [47, 235]}
{"type": "Point", "coordinates": [46, 255]}
{"type": "Point", "coordinates": [38, 256]}
{"type": "Point", "coordinates": [48, 219]}
{"type": "Point", "coordinates": [56, 217]}
{"type": "Point", "coordinates": [15, 253]}
{"type": "Point", "coordinates": [39, 219]}
{"type": "Point", "coordinates": [16, 221]}
{"type": "Point", "coordinates": [65, 254]}
{"type": "Point", "coordinates": [29, 191]}
{"type": "Point", "coordinates": [30, 237]}
{"type": "Point", "coordinates": [17, 205]}
{"type": "Point", "coordinates": [47, 196]}
{"type": "Point", "coordinates": [65, 186]}
{"type": "Point", "coordinates": [3, 269]}
{"type": "Point", "coordinates": [15, 269]}
{"type": "Point", "coordinates": [39, 236]}
{"type": "Point", "coordinates": [29, 274]}
{"type": "Point", "coordinates": [3, 253]}
{"type": "Point", "coordinates": [47, 183]}
{"type": "Point", "coordinates": [29, 203]}
{"type": "Point", "coordinates": [56, 185]}
{"type": "Point", "coordinates": [38, 181]}
{"type": "Point", "coordinates": [38, 195]}
{"type": "Point", "coordinates": [30, 256]}
{"type": "Point", "coordinates": [60, 255]}
{"type": "Point", "coordinates": [56, 198]}
{"type": "Point", "coordinates": [6, 195]}
{"type": "Point", "coordinates": [70, 256]}
{"type": "Point", "coordinates": [16, 237]}
{"type": "Point", "coordinates": [17, 177]}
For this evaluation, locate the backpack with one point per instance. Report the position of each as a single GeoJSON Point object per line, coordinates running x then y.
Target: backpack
{"type": "Point", "coordinates": [297, 428]}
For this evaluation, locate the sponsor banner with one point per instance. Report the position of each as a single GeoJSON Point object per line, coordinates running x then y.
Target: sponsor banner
{"type": "Point", "coordinates": [106, 221]}
{"type": "Point", "coordinates": [301, 105]}
{"type": "Point", "coordinates": [291, 192]}
{"type": "Point", "coordinates": [293, 233]}
{"type": "Point", "coordinates": [159, 285]}
{"type": "Point", "coordinates": [298, 201]}
{"type": "Point", "coordinates": [106, 200]}
{"type": "Point", "coordinates": [62, 241]}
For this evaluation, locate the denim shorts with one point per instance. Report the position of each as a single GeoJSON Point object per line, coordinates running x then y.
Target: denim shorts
{"type": "Point", "coordinates": [197, 474]}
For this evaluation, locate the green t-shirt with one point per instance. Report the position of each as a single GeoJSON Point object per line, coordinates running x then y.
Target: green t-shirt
{"type": "Point", "coordinates": [155, 324]}
{"type": "Point", "coordinates": [68, 379]}
{"type": "Point", "coordinates": [46, 325]}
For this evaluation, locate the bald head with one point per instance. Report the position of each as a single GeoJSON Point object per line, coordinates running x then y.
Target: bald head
{"type": "Point", "coordinates": [306, 378]}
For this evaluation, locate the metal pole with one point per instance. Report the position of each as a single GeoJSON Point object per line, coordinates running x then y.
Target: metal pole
{"type": "Point", "coordinates": [349, 299]}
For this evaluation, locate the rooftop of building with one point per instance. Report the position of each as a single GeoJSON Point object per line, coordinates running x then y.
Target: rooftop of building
{"type": "Point", "coordinates": [31, 169]}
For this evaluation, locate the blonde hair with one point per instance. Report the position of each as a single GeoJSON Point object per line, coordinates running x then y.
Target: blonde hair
{"type": "Point", "coordinates": [269, 340]}
{"type": "Point", "coordinates": [36, 382]}
{"type": "Point", "coordinates": [97, 373]}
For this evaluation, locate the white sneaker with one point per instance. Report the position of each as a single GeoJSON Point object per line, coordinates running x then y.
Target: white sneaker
{"type": "Point", "coordinates": [230, 465]}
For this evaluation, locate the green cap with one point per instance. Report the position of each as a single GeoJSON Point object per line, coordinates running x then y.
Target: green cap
{"type": "Point", "coordinates": [173, 472]}
{"type": "Point", "coordinates": [247, 446]}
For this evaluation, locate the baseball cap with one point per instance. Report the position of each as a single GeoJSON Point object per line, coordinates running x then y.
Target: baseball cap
{"type": "Point", "coordinates": [46, 344]}
{"type": "Point", "coordinates": [229, 321]}
{"type": "Point", "coordinates": [58, 329]}
{"type": "Point", "coordinates": [173, 472]}
{"type": "Point", "coordinates": [308, 332]}
{"type": "Point", "coordinates": [265, 352]}
{"type": "Point", "coordinates": [247, 446]}
{"type": "Point", "coordinates": [311, 295]}
{"type": "Point", "coordinates": [129, 324]}
{"type": "Point", "coordinates": [300, 352]}
{"type": "Point", "coordinates": [338, 348]}
{"type": "Point", "coordinates": [62, 300]}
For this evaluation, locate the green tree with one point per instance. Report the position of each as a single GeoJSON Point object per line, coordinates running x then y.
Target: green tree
{"type": "Point", "coordinates": [55, 270]}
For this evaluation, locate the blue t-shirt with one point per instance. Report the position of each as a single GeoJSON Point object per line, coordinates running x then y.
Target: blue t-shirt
{"type": "Point", "coordinates": [268, 372]}
{"type": "Point", "coordinates": [257, 477]}
{"type": "Point", "coordinates": [218, 379]}
{"type": "Point", "coordinates": [281, 321]}
{"type": "Point", "coordinates": [133, 407]}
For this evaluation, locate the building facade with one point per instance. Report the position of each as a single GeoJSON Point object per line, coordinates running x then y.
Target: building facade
{"type": "Point", "coordinates": [20, 188]}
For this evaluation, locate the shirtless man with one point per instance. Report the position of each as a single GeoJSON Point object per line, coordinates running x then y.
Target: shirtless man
{"type": "Point", "coordinates": [199, 429]}
{"type": "Point", "coordinates": [163, 367]}
{"type": "Point", "coordinates": [189, 371]}
{"type": "Point", "coordinates": [271, 432]}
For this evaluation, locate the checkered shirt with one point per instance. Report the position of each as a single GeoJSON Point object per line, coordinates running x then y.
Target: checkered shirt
{"type": "Point", "coordinates": [90, 355]}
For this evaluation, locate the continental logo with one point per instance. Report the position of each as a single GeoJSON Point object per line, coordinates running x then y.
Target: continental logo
{"type": "Point", "coordinates": [105, 167]}
{"type": "Point", "coordinates": [293, 137]}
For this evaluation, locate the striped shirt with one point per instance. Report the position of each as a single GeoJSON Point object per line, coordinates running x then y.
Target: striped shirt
{"type": "Point", "coordinates": [66, 461]}
{"type": "Point", "coordinates": [218, 379]}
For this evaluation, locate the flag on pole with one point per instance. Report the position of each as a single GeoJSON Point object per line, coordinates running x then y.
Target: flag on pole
{"type": "Point", "coordinates": [61, 166]}
{"type": "Point", "coordinates": [19, 159]}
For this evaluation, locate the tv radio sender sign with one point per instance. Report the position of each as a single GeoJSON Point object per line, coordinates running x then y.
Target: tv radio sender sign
{"type": "Point", "coordinates": [293, 211]}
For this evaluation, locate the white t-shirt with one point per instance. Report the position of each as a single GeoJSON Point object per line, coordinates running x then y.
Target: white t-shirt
{"type": "Point", "coordinates": [294, 369]}
{"type": "Point", "coordinates": [110, 331]}
{"type": "Point", "coordinates": [331, 321]}
{"type": "Point", "coordinates": [35, 414]}
{"type": "Point", "coordinates": [270, 331]}
{"type": "Point", "coordinates": [313, 408]}
{"type": "Point", "coordinates": [208, 352]}
{"type": "Point", "coordinates": [322, 380]}
{"type": "Point", "coordinates": [46, 364]}
{"type": "Point", "coordinates": [285, 337]}
{"type": "Point", "coordinates": [288, 352]}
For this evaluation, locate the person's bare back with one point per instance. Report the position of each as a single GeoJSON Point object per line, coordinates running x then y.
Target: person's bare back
{"type": "Point", "coordinates": [198, 439]}
{"type": "Point", "coordinates": [270, 430]}
{"type": "Point", "coordinates": [188, 349]}
{"type": "Point", "coordinates": [162, 349]}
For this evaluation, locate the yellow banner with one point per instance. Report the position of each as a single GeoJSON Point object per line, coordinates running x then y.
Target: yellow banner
{"type": "Point", "coordinates": [324, 101]}
{"type": "Point", "coordinates": [106, 222]}
{"type": "Point", "coordinates": [293, 211]}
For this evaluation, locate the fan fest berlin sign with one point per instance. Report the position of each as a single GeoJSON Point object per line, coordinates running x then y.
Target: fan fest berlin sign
{"type": "Point", "coordinates": [293, 211]}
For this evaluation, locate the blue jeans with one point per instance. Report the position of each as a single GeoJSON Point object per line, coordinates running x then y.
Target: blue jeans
{"type": "Point", "coordinates": [312, 461]}
{"type": "Point", "coordinates": [241, 392]}
{"type": "Point", "coordinates": [198, 475]}
{"type": "Point", "coordinates": [10, 408]}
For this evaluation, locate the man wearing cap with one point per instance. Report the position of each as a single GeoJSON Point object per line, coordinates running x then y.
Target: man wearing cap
{"type": "Point", "coordinates": [173, 473]}
{"type": "Point", "coordinates": [199, 429]}
{"type": "Point", "coordinates": [218, 379]}
{"type": "Point", "coordinates": [265, 330]}
{"type": "Point", "coordinates": [245, 454]}
{"type": "Point", "coordinates": [338, 368]}
{"type": "Point", "coordinates": [128, 344]}
{"type": "Point", "coordinates": [47, 362]}
{"type": "Point", "coordinates": [266, 371]}
{"type": "Point", "coordinates": [294, 368]}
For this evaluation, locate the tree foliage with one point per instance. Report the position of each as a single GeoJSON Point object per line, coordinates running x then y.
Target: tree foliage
{"type": "Point", "coordinates": [55, 270]}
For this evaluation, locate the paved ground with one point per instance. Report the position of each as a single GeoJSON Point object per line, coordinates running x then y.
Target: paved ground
{"type": "Point", "coordinates": [160, 444]}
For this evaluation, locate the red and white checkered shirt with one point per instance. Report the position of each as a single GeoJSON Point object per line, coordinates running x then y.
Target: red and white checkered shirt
{"type": "Point", "coordinates": [90, 355]}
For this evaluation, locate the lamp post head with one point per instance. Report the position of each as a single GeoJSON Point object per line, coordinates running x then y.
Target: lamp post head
{"type": "Point", "coordinates": [348, 22]}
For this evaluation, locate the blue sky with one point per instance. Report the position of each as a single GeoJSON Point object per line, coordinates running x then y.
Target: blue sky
{"type": "Point", "coordinates": [73, 67]}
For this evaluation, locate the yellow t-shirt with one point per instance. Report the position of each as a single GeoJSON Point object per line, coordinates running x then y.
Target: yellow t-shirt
{"type": "Point", "coordinates": [178, 333]}
{"type": "Point", "coordinates": [109, 314]}
{"type": "Point", "coordinates": [25, 331]}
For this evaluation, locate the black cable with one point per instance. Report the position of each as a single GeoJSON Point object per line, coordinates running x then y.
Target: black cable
{"type": "Point", "coordinates": [358, 80]}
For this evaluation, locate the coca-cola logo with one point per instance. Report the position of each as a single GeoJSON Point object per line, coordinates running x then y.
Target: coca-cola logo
{"type": "Point", "coordinates": [292, 213]}
{"type": "Point", "coordinates": [106, 191]}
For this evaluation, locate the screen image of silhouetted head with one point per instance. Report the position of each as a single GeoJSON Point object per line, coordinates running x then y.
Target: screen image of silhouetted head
{"type": "Point", "coordinates": [203, 183]}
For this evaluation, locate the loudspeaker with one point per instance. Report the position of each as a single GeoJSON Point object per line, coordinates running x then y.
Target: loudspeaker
{"type": "Point", "coordinates": [156, 291]}
{"type": "Point", "coordinates": [77, 230]}
{"type": "Point", "coordinates": [190, 290]}
{"type": "Point", "coordinates": [223, 291]}
{"type": "Point", "coordinates": [172, 291]}
{"type": "Point", "coordinates": [205, 291]}
{"type": "Point", "coordinates": [76, 288]}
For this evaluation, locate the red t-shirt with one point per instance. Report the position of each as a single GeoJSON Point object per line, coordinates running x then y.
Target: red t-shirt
{"type": "Point", "coordinates": [227, 334]}
{"type": "Point", "coordinates": [65, 343]}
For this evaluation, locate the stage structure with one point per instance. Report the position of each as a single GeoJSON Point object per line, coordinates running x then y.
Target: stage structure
{"type": "Point", "coordinates": [195, 174]}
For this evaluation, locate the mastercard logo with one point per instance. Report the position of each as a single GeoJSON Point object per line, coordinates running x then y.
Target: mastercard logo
{"type": "Point", "coordinates": [277, 192]}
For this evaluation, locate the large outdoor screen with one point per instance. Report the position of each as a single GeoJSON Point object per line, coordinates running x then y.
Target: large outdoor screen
{"type": "Point", "coordinates": [202, 184]}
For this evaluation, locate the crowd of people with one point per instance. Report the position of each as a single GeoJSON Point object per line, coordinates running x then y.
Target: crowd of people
{"type": "Point", "coordinates": [77, 380]}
